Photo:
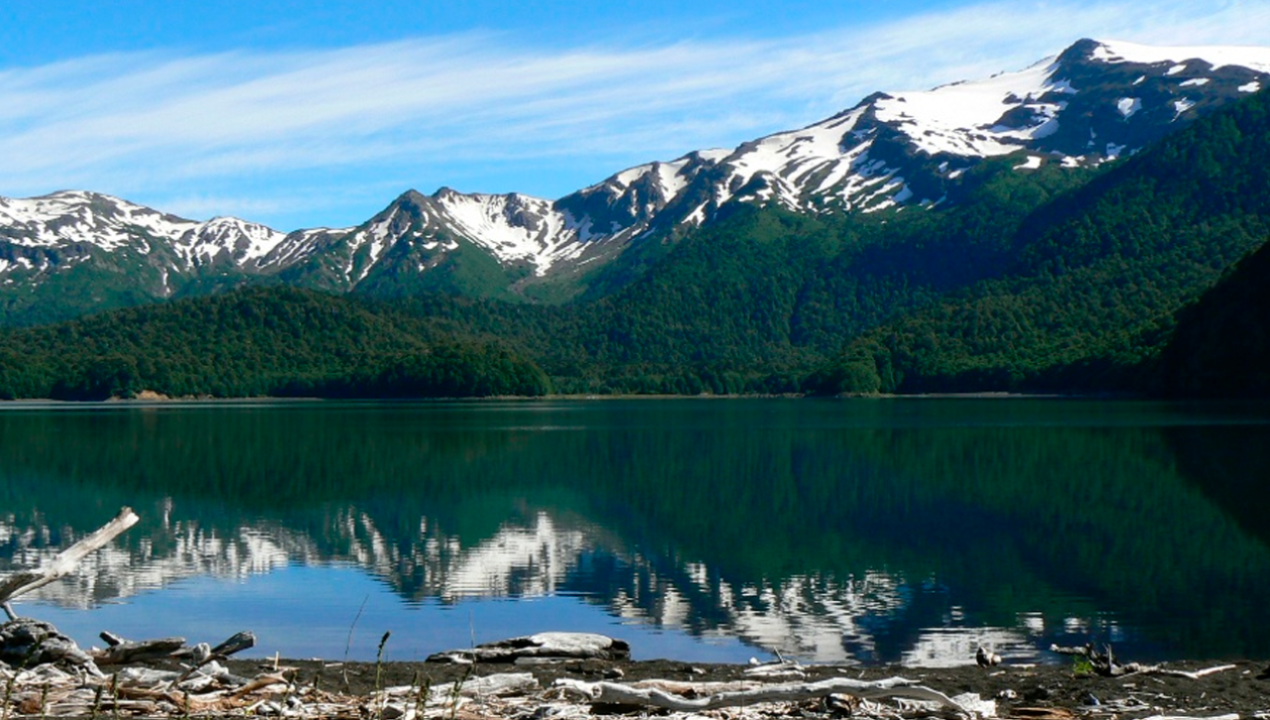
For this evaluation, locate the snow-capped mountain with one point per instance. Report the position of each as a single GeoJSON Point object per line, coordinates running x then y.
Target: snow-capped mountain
{"type": "Point", "coordinates": [1094, 102]}
{"type": "Point", "coordinates": [73, 218]}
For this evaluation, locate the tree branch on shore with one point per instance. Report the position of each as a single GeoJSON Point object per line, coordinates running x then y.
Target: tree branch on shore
{"type": "Point", "coordinates": [65, 562]}
{"type": "Point", "coordinates": [1105, 664]}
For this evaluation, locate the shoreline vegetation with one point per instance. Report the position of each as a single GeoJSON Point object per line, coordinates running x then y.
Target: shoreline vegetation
{"type": "Point", "coordinates": [149, 397]}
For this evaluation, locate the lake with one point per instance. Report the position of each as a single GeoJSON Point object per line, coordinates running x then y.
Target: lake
{"type": "Point", "coordinates": [858, 531]}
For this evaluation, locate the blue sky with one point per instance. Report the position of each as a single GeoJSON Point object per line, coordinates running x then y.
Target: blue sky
{"type": "Point", "coordinates": [303, 114]}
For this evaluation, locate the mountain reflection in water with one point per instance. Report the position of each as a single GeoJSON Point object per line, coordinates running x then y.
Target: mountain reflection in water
{"type": "Point", "coordinates": [840, 531]}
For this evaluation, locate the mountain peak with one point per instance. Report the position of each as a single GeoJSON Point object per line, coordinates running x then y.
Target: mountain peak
{"type": "Point", "coordinates": [1082, 49]}
{"type": "Point", "coordinates": [1094, 102]}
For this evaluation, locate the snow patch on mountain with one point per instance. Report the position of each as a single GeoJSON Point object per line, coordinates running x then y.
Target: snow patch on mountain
{"type": "Point", "coordinates": [964, 118]}
{"type": "Point", "coordinates": [244, 241]}
{"type": "Point", "coordinates": [84, 217]}
{"type": "Point", "coordinates": [1219, 56]}
{"type": "Point", "coordinates": [513, 227]}
{"type": "Point", "coordinates": [1128, 107]}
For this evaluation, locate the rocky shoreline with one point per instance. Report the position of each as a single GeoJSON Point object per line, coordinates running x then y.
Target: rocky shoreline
{"type": "Point", "coordinates": [1037, 692]}
{"type": "Point", "coordinates": [539, 688]}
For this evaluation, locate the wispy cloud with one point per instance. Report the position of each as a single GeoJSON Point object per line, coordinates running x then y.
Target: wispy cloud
{"type": "Point", "coordinates": [288, 126]}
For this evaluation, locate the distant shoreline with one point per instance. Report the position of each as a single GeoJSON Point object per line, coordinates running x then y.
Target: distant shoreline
{"type": "Point", "coordinates": [152, 398]}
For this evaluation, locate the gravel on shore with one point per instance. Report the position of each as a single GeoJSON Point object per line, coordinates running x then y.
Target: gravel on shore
{"type": "Point", "coordinates": [1022, 691]}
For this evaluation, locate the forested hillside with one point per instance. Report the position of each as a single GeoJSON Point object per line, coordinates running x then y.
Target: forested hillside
{"type": "Point", "coordinates": [1038, 279]}
{"type": "Point", "coordinates": [260, 342]}
{"type": "Point", "coordinates": [1094, 279]}
{"type": "Point", "coordinates": [1221, 347]}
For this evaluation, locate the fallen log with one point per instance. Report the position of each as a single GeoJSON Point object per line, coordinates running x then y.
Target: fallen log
{"type": "Point", "coordinates": [64, 562]}
{"type": "Point", "coordinates": [565, 645]}
{"type": "Point", "coordinates": [1105, 664]}
{"type": "Point", "coordinates": [122, 652]}
{"type": "Point", "coordinates": [237, 642]}
{"type": "Point", "coordinates": [780, 670]}
{"type": "Point", "coordinates": [1196, 675]}
{"type": "Point", "coordinates": [615, 694]}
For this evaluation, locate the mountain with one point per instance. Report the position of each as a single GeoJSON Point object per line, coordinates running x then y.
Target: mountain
{"type": "Point", "coordinates": [70, 253]}
{"type": "Point", "coordinates": [1091, 287]}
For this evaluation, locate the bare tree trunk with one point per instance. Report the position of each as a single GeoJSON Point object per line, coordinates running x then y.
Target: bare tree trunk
{"type": "Point", "coordinates": [64, 563]}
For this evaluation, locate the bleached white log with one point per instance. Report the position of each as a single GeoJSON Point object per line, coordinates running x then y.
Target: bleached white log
{"type": "Point", "coordinates": [896, 687]}
{"type": "Point", "coordinates": [501, 684]}
{"type": "Point", "coordinates": [1134, 669]}
{"type": "Point", "coordinates": [488, 686]}
{"type": "Point", "coordinates": [783, 670]}
{"type": "Point", "coordinates": [64, 562]}
{"type": "Point", "coordinates": [572, 645]}
{"type": "Point", "coordinates": [1192, 675]}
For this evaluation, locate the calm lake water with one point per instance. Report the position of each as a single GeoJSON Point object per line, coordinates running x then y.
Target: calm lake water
{"type": "Point", "coordinates": [856, 531]}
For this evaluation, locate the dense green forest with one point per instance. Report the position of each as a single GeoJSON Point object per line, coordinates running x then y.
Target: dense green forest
{"type": "Point", "coordinates": [1053, 279]}
{"type": "Point", "coordinates": [258, 342]}
{"type": "Point", "coordinates": [1221, 347]}
{"type": "Point", "coordinates": [1094, 280]}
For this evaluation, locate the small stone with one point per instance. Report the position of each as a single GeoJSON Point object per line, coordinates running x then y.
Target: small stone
{"type": "Point", "coordinates": [1036, 693]}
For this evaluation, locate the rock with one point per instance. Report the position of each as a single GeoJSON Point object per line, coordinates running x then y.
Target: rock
{"type": "Point", "coordinates": [27, 642]}
{"type": "Point", "coordinates": [541, 645]}
{"type": "Point", "coordinates": [1036, 693]}
{"type": "Point", "coordinates": [986, 658]}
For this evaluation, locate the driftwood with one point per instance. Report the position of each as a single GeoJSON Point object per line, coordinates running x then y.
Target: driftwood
{"type": "Point", "coordinates": [64, 563]}
{"type": "Point", "coordinates": [616, 694]}
{"type": "Point", "coordinates": [569, 645]}
{"type": "Point", "coordinates": [202, 656]}
{"type": "Point", "coordinates": [1105, 664]}
{"type": "Point", "coordinates": [122, 652]}
{"type": "Point", "coordinates": [779, 670]}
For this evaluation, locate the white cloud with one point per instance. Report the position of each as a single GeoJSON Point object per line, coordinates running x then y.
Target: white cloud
{"type": "Point", "coordinates": [162, 125]}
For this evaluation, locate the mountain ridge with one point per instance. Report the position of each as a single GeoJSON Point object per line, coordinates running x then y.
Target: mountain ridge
{"type": "Point", "coordinates": [1093, 103]}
